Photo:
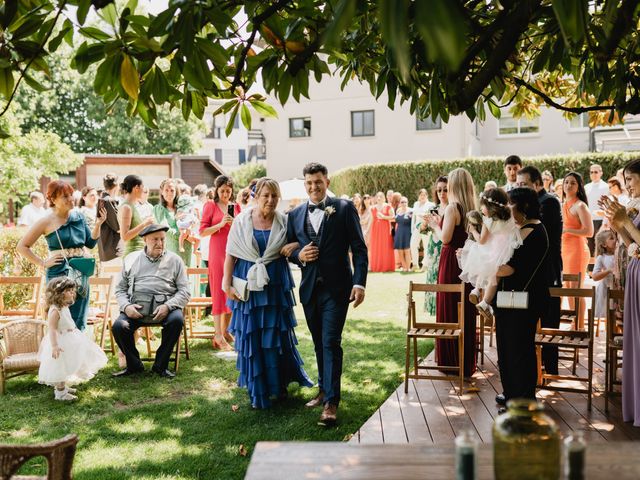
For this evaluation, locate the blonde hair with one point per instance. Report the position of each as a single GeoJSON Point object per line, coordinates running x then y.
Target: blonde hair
{"type": "Point", "coordinates": [601, 239]}
{"type": "Point", "coordinates": [270, 183]}
{"type": "Point", "coordinates": [54, 295]}
{"type": "Point", "coordinates": [462, 191]}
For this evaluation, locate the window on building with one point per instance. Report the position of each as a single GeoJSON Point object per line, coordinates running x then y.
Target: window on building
{"type": "Point", "coordinates": [428, 124]}
{"type": "Point", "coordinates": [300, 127]}
{"type": "Point", "coordinates": [579, 121]}
{"type": "Point", "coordinates": [215, 129]}
{"type": "Point", "coordinates": [363, 123]}
{"type": "Point", "coordinates": [518, 126]}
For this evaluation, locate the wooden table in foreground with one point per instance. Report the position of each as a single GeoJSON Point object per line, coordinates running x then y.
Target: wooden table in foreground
{"type": "Point", "coordinates": [337, 460]}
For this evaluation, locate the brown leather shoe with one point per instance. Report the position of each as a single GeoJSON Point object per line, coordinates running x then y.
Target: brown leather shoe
{"type": "Point", "coordinates": [329, 415]}
{"type": "Point", "coordinates": [316, 402]}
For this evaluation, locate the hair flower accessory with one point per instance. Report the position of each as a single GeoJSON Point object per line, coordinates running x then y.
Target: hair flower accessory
{"type": "Point", "coordinates": [328, 211]}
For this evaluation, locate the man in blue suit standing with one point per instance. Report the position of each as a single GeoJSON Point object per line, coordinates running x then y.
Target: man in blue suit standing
{"type": "Point", "coordinates": [326, 229]}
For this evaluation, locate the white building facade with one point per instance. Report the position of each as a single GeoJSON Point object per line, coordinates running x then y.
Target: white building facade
{"type": "Point", "coordinates": [240, 147]}
{"type": "Point", "coordinates": [349, 128]}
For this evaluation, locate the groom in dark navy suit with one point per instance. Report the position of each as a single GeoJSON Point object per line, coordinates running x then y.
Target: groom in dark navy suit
{"type": "Point", "coordinates": [326, 229]}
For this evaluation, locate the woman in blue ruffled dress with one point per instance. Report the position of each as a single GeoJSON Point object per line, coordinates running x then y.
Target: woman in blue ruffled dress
{"type": "Point", "coordinates": [263, 323]}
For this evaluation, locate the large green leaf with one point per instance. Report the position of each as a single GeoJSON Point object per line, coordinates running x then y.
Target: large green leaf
{"type": "Point", "coordinates": [129, 77]}
{"type": "Point", "coordinates": [572, 17]}
{"type": "Point", "coordinates": [393, 15]}
{"type": "Point", "coordinates": [443, 29]}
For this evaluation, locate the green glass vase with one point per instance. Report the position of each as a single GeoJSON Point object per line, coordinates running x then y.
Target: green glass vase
{"type": "Point", "coordinates": [526, 443]}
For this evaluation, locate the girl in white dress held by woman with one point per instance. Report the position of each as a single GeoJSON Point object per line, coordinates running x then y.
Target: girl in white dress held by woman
{"type": "Point", "coordinates": [493, 246]}
{"type": "Point", "coordinates": [67, 356]}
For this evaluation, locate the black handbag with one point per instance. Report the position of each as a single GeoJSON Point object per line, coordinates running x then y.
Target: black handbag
{"type": "Point", "coordinates": [148, 303]}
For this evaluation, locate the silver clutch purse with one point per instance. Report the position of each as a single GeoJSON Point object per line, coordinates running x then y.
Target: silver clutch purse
{"type": "Point", "coordinates": [512, 299]}
{"type": "Point", "coordinates": [241, 287]}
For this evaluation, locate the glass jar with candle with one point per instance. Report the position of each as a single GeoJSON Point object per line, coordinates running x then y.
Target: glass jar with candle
{"type": "Point", "coordinates": [526, 443]}
{"type": "Point", "coordinates": [466, 463]}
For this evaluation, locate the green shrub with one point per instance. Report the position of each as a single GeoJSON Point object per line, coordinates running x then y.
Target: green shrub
{"type": "Point", "coordinates": [13, 264]}
{"type": "Point", "coordinates": [243, 175]}
{"type": "Point", "coordinates": [410, 177]}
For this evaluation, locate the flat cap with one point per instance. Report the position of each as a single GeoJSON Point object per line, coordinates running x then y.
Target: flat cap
{"type": "Point", "coordinates": [153, 228]}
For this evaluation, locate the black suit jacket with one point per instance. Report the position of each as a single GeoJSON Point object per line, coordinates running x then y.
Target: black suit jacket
{"type": "Point", "coordinates": [341, 232]}
{"type": "Point", "coordinates": [551, 212]}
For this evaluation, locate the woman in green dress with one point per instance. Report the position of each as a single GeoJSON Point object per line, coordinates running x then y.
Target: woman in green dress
{"type": "Point", "coordinates": [129, 219]}
{"type": "Point", "coordinates": [68, 236]}
{"type": "Point", "coordinates": [432, 251]}
{"type": "Point", "coordinates": [165, 214]}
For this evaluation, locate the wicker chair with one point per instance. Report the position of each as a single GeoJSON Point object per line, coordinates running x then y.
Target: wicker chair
{"type": "Point", "coordinates": [19, 354]}
{"type": "Point", "coordinates": [59, 455]}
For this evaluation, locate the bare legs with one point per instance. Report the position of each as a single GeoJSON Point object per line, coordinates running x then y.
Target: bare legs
{"type": "Point", "coordinates": [220, 324]}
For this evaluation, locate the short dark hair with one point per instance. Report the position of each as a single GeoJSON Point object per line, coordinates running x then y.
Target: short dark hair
{"type": "Point", "coordinates": [534, 174]}
{"type": "Point", "coordinates": [313, 167]}
{"type": "Point", "coordinates": [526, 202]}
{"type": "Point", "coordinates": [109, 181]}
{"type": "Point", "coordinates": [513, 160]}
{"type": "Point", "coordinates": [129, 183]}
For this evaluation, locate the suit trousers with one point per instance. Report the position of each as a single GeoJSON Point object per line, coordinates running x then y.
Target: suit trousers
{"type": "Point", "coordinates": [124, 328]}
{"type": "Point", "coordinates": [325, 318]}
{"type": "Point", "coordinates": [515, 341]}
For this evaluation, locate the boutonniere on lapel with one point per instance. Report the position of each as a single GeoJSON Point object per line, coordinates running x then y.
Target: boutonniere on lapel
{"type": "Point", "coordinates": [328, 211]}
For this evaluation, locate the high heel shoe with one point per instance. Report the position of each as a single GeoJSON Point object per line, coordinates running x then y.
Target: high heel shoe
{"type": "Point", "coordinates": [220, 344]}
{"type": "Point", "coordinates": [228, 337]}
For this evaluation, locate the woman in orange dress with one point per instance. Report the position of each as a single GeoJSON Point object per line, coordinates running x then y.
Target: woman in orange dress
{"type": "Point", "coordinates": [577, 227]}
{"type": "Point", "coordinates": [381, 246]}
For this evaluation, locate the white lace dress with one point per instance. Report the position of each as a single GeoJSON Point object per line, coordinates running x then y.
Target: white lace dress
{"type": "Point", "coordinates": [479, 263]}
{"type": "Point", "coordinates": [79, 360]}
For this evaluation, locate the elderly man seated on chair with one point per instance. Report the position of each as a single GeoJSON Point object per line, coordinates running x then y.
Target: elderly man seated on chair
{"type": "Point", "coordinates": [153, 290]}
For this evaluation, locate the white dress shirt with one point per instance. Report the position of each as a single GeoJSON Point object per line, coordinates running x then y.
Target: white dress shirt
{"type": "Point", "coordinates": [30, 214]}
{"type": "Point", "coordinates": [316, 217]}
{"type": "Point", "coordinates": [594, 191]}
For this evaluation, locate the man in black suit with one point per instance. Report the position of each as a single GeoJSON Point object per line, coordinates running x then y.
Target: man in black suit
{"type": "Point", "coordinates": [551, 211]}
{"type": "Point", "coordinates": [326, 229]}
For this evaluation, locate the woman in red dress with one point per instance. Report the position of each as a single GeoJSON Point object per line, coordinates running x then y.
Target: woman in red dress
{"type": "Point", "coordinates": [216, 222]}
{"type": "Point", "coordinates": [451, 229]}
{"type": "Point", "coordinates": [381, 243]}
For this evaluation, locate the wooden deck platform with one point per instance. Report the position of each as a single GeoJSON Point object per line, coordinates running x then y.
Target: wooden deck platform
{"type": "Point", "coordinates": [433, 413]}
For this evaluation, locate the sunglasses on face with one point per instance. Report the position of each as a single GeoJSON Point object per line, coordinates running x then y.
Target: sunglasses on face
{"type": "Point", "coordinates": [441, 190]}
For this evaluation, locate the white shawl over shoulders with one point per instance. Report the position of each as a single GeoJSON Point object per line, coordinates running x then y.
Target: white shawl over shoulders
{"type": "Point", "coordinates": [241, 244]}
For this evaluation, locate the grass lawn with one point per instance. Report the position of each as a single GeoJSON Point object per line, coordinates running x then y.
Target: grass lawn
{"type": "Point", "coordinates": [187, 428]}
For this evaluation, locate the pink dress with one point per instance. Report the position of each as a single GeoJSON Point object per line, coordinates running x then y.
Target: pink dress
{"type": "Point", "coordinates": [212, 215]}
{"type": "Point", "coordinates": [381, 243]}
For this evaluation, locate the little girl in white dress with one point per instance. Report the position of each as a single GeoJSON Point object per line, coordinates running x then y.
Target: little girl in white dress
{"type": "Point", "coordinates": [490, 248]}
{"type": "Point", "coordinates": [67, 356]}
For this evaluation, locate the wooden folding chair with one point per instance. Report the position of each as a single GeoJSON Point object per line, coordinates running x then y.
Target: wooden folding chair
{"type": "Point", "coordinates": [101, 289]}
{"type": "Point", "coordinates": [570, 339]}
{"type": "Point", "coordinates": [437, 331]}
{"type": "Point", "coordinates": [569, 317]}
{"type": "Point", "coordinates": [32, 307]}
{"type": "Point", "coordinates": [193, 310]}
{"type": "Point", "coordinates": [176, 358]}
{"type": "Point", "coordinates": [485, 327]}
{"type": "Point", "coordinates": [613, 344]}
{"type": "Point", "coordinates": [111, 270]}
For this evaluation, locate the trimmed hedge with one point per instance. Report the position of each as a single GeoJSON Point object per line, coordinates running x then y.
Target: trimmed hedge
{"type": "Point", "coordinates": [13, 264]}
{"type": "Point", "coordinates": [409, 177]}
